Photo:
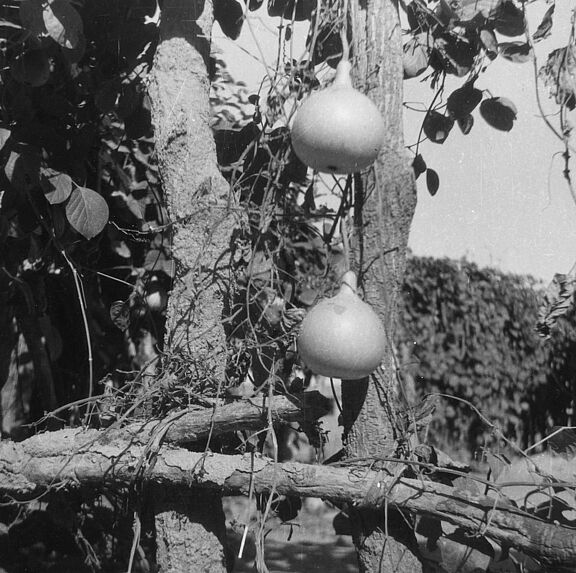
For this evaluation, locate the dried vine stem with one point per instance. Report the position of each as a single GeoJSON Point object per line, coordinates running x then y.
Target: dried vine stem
{"type": "Point", "coordinates": [45, 461]}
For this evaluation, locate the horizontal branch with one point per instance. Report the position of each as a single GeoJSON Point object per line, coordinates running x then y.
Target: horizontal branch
{"type": "Point", "coordinates": [71, 458]}
{"type": "Point", "coordinates": [240, 415]}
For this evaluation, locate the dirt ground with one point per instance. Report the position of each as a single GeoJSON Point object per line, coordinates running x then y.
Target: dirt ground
{"type": "Point", "coordinates": [308, 544]}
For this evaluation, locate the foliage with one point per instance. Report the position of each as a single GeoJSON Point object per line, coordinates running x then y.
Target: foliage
{"type": "Point", "coordinates": [469, 334]}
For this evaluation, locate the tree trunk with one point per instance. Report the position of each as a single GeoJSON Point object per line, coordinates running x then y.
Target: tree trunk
{"type": "Point", "coordinates": [198, 200]}
{"type": "Point", "coordinates": [385, 199]}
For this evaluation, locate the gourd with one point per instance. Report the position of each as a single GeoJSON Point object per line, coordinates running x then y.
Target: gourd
{"type": "Point", "coordinates": [342, 336]}
{"type": "Point", "coordinates": [338, 129]}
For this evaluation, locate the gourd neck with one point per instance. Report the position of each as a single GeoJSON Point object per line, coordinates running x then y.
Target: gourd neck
{"type": "Point", "coordinates": [342, 79]}
{"type": "Point", "coordinates": [349, 283]}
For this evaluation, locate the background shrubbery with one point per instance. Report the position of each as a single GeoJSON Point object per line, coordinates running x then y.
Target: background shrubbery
{"type": "Point", "coordinates": [470, 333]}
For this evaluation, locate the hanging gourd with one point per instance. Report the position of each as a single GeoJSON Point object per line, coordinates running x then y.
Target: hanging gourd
{"type": "Point", "coordinates": [342, 337]}
{"type": "Point", "coordinates": [338, 129]}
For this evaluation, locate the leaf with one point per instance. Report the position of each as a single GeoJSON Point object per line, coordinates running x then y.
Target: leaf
{"type": "Point", "coordinates": [230, 15]}
{"type": "Point", "coordinates": [517, 52]}
{"type": "Point", "coordinates": [558, 299]}
{"type": "Point", "coordinates": [120, 314]}
{"type": "Point", "coordinates": [499, 113]}
{"type": "Point", "coordinates": [415, 56]}
{"type": "Point", "coordinates": [419, 165]}
{"type": "Point", "coordinates": [31, 16]}
{"type": "Point", "coordinates": [286, 9]}
{"type": "Point", "coordinates": [63, 23]}
{"type": "Point", "coordinates": [453, 54]}
{"type": "Point", "coordinates": [57, 186]}
{"type": "Point", "coordinates": [5, 134]}
{"type": "Point", "coordinates": [462, 101]}
{"type": "Point", "coordinates": [490, 43]}
{"type": "Point", "coordinates": [562, 441]}
{"type": "Point", "coordinates": [465, 124]}
{"type": "Point", "coordinates": [22, 169]}
{"type": "Point", "coordinates": [545, 27]}
{"type": "Point", "coordinates": [87, 212]}
{"type": "Point", "coordinates": [432, 181]}
{"type": "Point", "coordinates": [157, 260]}
{"type": "Point", "coordinates": [558, 74]}
{"type": "Point", "coordinates": [437, 126]}
{"type": "Point", "coordinates": [498, 463]}
{"type": "Point", "coordinates": [510, 20]}
{"type": "Point", "coordinates": [472, 9]}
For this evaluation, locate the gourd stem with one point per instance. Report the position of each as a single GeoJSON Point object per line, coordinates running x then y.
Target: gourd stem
{"type": "Point", "coordinates": [345, 241]}
{"type": "Point", "coordinates": [344, 32]}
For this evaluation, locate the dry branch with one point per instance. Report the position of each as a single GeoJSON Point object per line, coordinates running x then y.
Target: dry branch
{"type": "Point", "coordinates": [241, 415]}
{"type": "Point", "coordinates": [73, 458]}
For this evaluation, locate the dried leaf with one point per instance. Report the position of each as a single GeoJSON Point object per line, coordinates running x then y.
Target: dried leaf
{"type": "Point", "coordinates": [498, 463]}
{"type": "Point", "coordinates": [545, 27]}
{"type": "Point", "coordinates": [120, 314]}
{"type": "Point", "coordinates": [517, 52]}
{"type": "Point", "coordinates": [559, 75]}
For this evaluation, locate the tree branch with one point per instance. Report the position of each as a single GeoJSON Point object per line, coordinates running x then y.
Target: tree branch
{"type": "Point", "coordinates": [73, 458]}
{"type": "Point", "coordinates": [247, 415]}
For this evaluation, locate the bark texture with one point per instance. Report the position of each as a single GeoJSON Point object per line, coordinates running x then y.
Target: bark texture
{"type": "Point", "coordinates": [68, 459]}
{"type": "Point", "coordinates": [385, 199]}
{"type": "Point", "coordinates": [198, 201]}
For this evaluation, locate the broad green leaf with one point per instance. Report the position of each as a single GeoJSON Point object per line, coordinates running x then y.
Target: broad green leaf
{"type": "Point", "coordinates": [432, 181]}
{"type": "Point", "coordinates": [419, 165]}
{"type": "Point", "coordinates": [31, 16]}
{"type": "Point", "coordinates": [463, 101]}
{"type": "Point", "coordinates": [499, 112]}
{"type": "Point", "coordinates": [63, 23]}
{"type": "Point", "coordinates": [285, 8]}
{"type": "Point", "coordinates": [437, 126]}
{"type": "Point", "coordinates": [87, 212]}
{"type": "Point", "coordinates": [230, 15]}
{"type": "Point", "coordinates": [57, 186]}
{"type": "Point", "coordinates": [510, 20]}
{"type": "Point", "coordinates": [517, 52]}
